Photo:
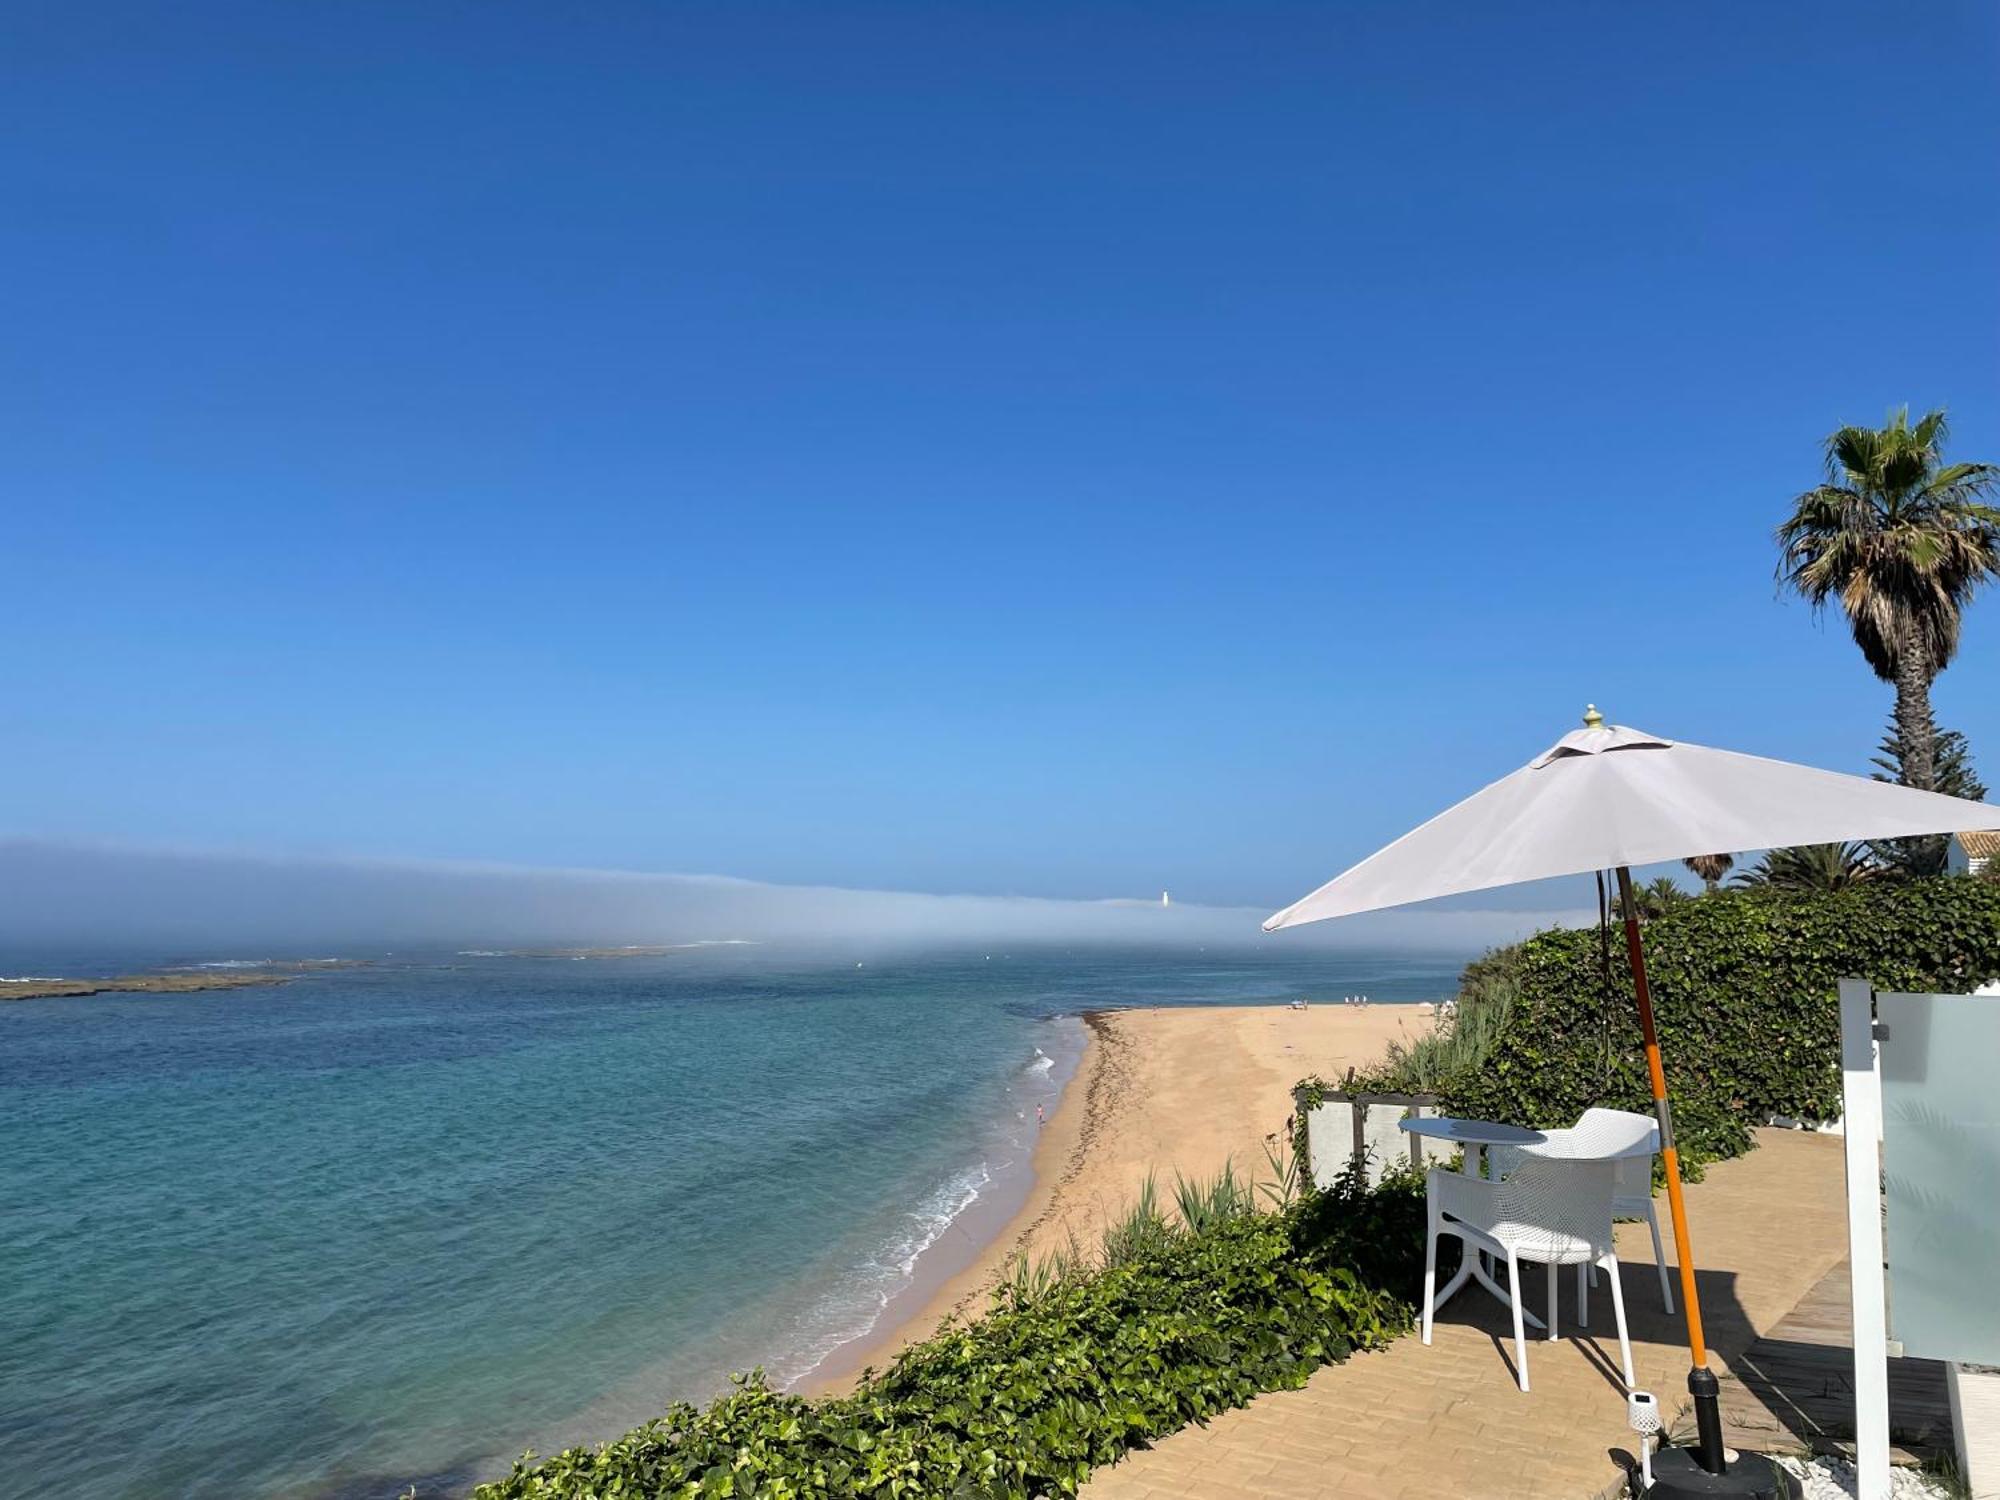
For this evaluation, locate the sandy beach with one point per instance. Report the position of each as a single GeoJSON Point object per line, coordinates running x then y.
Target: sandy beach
{"type": "Point", "coordinates": [1181, 1089]}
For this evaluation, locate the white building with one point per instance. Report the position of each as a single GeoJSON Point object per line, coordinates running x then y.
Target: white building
{"type": "Point", "coordinates": [1972, 853]}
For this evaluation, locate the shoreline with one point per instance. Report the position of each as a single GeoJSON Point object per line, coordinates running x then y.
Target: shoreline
{"type": "Point", "coordinates": [963, 1262]}
{"type": "Point", "coordinates": [937, 1294]}
{"type": "Point", "coordinates": [956, 1244]}
{"type": "Point", "coordinates": [1165, 1089]}
{"type": "Point", "coordinates": [1171, 1089]}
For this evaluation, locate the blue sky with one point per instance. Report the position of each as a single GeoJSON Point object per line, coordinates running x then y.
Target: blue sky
{"type": "Point", "coordinates": [1069, 451]}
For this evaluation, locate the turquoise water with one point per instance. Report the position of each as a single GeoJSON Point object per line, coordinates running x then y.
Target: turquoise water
{"type": "Point", "coordinates": [390, 1225]}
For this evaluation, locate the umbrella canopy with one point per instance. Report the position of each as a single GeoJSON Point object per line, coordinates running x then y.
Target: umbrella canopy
{"type": "Point", "coordinates": [1606, 796]}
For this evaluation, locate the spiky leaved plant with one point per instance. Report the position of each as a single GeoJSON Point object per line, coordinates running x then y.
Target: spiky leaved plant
{"type": "Point", "coordinates": [1203, 1205]}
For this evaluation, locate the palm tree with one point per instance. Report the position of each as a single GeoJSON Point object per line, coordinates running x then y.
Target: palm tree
{"type": "Point", "coordinates": [1812, 867]}
{"type": "Point", "coordinates": [1653, 898]}
{"type": "Point", "coordinates": [1902, 539]}
{"type": "Point", "coordinates": [1657, 895]}
{"type": "Point", "coordinates": [1710, 868]}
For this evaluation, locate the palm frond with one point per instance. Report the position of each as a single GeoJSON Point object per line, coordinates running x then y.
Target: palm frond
{"type": "Point", "coordinates": [1899, 537]}
{"type": "Point", "coordinates": [1710, 868]}
{"type": "Point", "coordinates": [1812, 867]}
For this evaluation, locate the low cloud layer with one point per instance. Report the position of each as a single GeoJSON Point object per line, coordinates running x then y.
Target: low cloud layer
{"type": "Point", "coordinates": [69, 895]}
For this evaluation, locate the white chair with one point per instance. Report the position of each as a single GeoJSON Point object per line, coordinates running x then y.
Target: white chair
{"type": "Point", "coordinates": [1552, 1209]}
{"type": "Point", "coordinates": [1633, 1198]}
{"type": "Point", "coordinates": [1633, 1140]}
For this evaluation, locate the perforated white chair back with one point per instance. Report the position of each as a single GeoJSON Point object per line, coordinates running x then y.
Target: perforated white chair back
{"type": "Point", "coordinates": [1640, 1135]}
{"type": "Point", "coordinates": [1554, 1209]}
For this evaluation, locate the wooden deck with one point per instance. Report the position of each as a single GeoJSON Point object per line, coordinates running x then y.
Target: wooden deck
{"type": "Point", "coordinates": [1417, 1422]}
{"type": "Point", "coordinates": [1794, 1387]}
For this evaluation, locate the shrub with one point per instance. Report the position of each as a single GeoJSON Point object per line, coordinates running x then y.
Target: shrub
{"type": "Point", "coordinates": [1376, 1233]}
{"type": "Point", "coordinates": [1028, 1399]}
{"type": "Point", "coordinates": [1743, 985]}
{"type": "Point", "coordinates": [1142, 1229]}
{"type": "Point", "coordinates": [1462, 1041]}
{"type": "Point", "coordinates": [1204, 1204]}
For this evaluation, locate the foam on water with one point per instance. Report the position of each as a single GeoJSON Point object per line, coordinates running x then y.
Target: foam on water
{"type": "Point", "coordinates": [852, 1310]}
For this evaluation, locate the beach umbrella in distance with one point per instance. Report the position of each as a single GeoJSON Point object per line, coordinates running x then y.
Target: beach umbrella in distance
{"type": "Point", "coordinates": [1605, 797]}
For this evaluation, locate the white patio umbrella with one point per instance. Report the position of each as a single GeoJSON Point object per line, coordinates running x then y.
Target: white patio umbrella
{"type": "Point", "coordinates": [1606, 797]}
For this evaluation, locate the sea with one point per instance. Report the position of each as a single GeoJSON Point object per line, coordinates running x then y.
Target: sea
{"type": "Point", "coordinates": [390, 1225]}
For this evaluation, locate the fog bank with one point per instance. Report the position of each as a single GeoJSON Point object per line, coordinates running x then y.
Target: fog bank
{"type": "Point", "coordinates": [69, 895]}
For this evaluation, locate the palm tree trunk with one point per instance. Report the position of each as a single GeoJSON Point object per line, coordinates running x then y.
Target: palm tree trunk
{"type": "Point", "coordinates": [1913, 716]}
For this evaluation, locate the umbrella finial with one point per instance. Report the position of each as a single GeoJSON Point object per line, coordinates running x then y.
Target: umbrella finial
{"type": "Point", "coordinates": [1592, 719]}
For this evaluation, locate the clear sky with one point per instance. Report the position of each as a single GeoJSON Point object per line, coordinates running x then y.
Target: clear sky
{"type": "Point", "coordinates": [1067, 450]}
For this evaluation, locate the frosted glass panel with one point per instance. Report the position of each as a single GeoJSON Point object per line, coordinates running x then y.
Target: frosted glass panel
{"type": "Point", "coordinates": [1941, 1169]}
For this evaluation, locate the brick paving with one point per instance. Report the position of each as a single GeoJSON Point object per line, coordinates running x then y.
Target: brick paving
{"type": "Point", "coordinates": [1417, 1423]}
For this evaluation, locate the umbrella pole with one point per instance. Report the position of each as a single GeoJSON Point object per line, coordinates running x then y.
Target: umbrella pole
{"type": "Point", "coordinates": [1701, 1380]}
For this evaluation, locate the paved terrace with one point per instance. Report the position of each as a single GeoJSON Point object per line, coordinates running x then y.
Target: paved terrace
{"type": "Point", "coordinates": [1448, 1423]}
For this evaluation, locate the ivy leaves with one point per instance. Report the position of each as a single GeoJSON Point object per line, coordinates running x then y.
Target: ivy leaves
{"type": "Point", "coordinates": [1744, 991]}
{"type": "Point", "coordinates": [1051, 1383]}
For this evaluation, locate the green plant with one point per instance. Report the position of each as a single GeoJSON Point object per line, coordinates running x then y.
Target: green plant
{"type": "Point", "coordinates": [1141, 1230]}
{"type": "Point", "coordinates": [1283, 1161]}
{"type": "Point", "coordinates": [1202, 1205]}
{"type": "Point", "coordinates": [1743, 986]}
{"type": "Point", "coordinates": [1902, 540]}
{"type": "Point", "coordinates": [1144, 1228]}
{"type": "Point", "coordinates": [1952, 773]}
{"type": "Point", "coordinates": [1941, 1468]}
{"type": "Point", "coordinates": [1029, 1277]}
{"type": "Point", "coordinates": [1710, 868]}
{"type": "Point", "coordinates": [1028, 1399]}
{"type": "Point", "coordinates": [1463, 1037]}
{"type": "Point", "coordinates": [1812, 867]}
{"type": "Point", "coordinates": [1378, 1232]}
{"type": "Point", "coordinates": [1651, 899]}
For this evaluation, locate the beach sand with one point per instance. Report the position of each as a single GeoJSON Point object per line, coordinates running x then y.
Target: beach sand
{"type": "Point", "coordinates": [1176, 1089]}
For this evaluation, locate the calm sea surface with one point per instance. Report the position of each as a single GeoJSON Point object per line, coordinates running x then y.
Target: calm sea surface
{"type": "Point", "coordinates": [383, 1225]}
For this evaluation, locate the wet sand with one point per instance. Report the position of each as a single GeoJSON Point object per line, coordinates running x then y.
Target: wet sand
{"type": "Point", "coordinates": [1176, 1089]}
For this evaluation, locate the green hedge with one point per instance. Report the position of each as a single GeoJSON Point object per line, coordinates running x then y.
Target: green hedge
{"type": "Point", "coordinates": [1028, 1399]}
{"type": "Point", "coordinates": [1744, 986]}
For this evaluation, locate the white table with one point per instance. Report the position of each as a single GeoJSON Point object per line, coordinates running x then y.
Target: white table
{"type": "Point", "coordinates": [1475, 1136]}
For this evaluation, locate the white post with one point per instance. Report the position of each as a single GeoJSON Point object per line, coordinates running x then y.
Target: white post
{"type": "Point", "coordinates": [1862, 1086]}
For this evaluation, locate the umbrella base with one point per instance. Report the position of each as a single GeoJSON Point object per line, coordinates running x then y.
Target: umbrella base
{"type": "Point", "coordinates": [1748, 1476]}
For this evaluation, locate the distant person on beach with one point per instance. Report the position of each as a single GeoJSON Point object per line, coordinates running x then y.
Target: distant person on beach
{"type": "Point", "coordinates": [1040, 1118]}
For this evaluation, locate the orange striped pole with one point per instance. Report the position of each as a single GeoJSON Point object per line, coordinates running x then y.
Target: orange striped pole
{"type": "Point", "coordinates": [1701, 1380]}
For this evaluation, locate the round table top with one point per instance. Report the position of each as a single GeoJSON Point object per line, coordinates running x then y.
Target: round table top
{"type": "Point", "coordinates": [1473, 1132]}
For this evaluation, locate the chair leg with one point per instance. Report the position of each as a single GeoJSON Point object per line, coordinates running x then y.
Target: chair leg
{"type": "Point", "coordinates": [1430, 1275]}
{"type": "Point", "coordinates": [1552, 1301]}
{"type": "Point", "coordinates": [1520, 1335]}
{"type": "Point", "coordinates": [1583, 1294]}
{"type": "Point", "coordinates": [1660, 1259]}
{"type": "Point", "coordinates": [1610, 1264]}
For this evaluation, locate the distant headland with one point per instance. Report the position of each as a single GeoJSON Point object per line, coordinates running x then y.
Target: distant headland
{"type": "Point", "coordinates": [174, 982]}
